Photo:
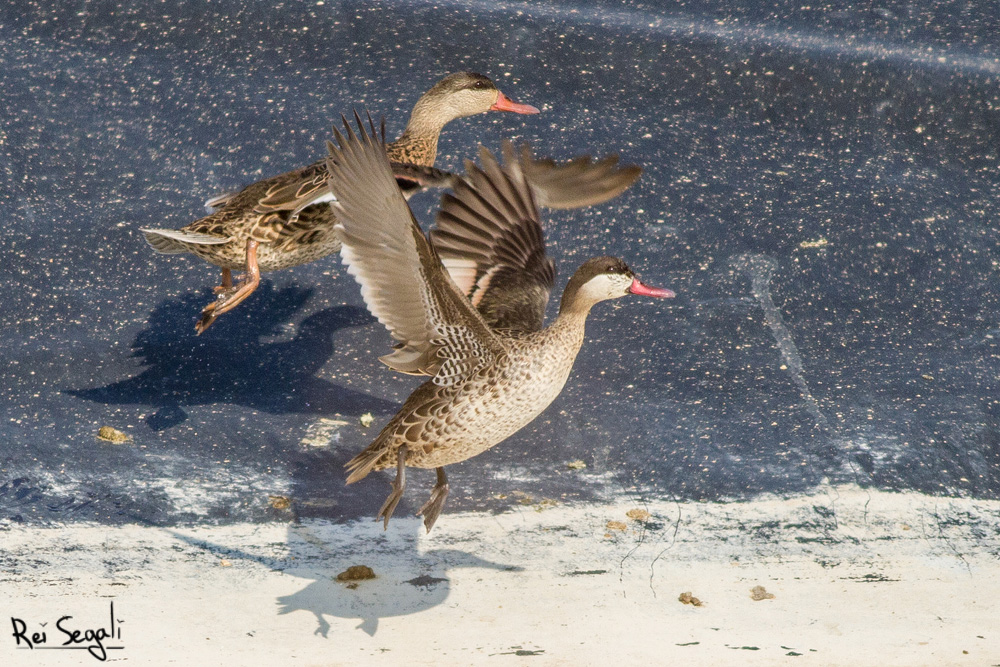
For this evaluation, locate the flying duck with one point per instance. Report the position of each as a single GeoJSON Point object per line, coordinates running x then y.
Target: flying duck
{"type": "Point", "coordinates": [466, 307]}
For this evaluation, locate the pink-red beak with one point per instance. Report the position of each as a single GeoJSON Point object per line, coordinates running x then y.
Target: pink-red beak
{"type": "Point", "coordinates": [645, 290]}
{"type": "Point", "coordinates": [504, 103]}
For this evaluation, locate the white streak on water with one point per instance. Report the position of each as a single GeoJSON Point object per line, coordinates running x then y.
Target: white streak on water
{"type": "Point", "coordinates": [760, 269]}
{"type": "Point", "coordinates": [731, 31]}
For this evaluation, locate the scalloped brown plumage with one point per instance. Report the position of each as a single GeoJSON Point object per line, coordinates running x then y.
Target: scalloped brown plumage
{"type": "Point", "coordinates": [486, 382]}
{"type": "Point", "coordinates": [283, 221]}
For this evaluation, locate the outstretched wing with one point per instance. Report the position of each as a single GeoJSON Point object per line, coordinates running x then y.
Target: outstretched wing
{"type": "Point", "coordinates": [489, 236]}
{"type": "Point", "coordinates": [580, 182]}
{"type": "Point", "coordinates": [401, 277]}
{"type": "Point", "coordinates": [490, 240]}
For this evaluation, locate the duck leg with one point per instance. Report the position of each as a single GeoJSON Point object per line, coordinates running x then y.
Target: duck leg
{"type": "Point", "coordinates": [227, 282]}
{"type": "Point", "coordinates": [230, 300]}
{"type": "Point", "coordinates": [398, 486]}
{"type": "Point", "coordinates": [432, 508]}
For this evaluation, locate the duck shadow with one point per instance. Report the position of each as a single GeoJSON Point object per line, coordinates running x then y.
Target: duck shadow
{"type": "Point", "coordinates": [406, 580]}
{"type": "Point", "coordinates": [233, 362]}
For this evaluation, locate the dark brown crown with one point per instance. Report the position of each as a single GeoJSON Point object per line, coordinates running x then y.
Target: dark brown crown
{"type": "Point", "coordinates": [595, 266]}
{"type": "Point", "coordinates": [462, 81]}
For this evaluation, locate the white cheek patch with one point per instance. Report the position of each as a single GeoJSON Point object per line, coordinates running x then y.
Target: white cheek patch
{"type": "Point", "coordinates": [605, 286]}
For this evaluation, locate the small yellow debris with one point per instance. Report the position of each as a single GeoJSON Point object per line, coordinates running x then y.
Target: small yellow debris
{"type": "Point", "coordinates": [637, 515]}
{"type": "Point", "coordinates": [367, 419]}
{"type": "Point", "coordinates": [906, 527]}
{"type": "Point", "coordinates": [687, 598]}
{"type": "Point", "coordinates": [322, 432]}
{"type": "Point", "coordinates": [279, 502]}
{"type": "Point", "coordinates": [356, 573]}
{"type": "Point", "coordinates": [225, 563]}
{"type": "Point", "coordinates": [616, 525]}
{"type": "Point", "coordinates": [112, 435]}
{"type": "Point", "coordinates": [758, 593]}
{"type": "Point", "coordinates": [576, 465]}
{"type": "Point", "coordinates": [522, 497]}
{"type": "Point", "coordinates": [546, 503]}
{"type": "Point", "coordinates": [928, 377]}
{"type": "Point", "coordinates": [818, 243]}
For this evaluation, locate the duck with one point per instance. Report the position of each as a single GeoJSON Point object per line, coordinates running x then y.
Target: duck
{"type": "Point", "coordinates": [465, 305]}
{"type": "Point", "coordinates": [282, 221]}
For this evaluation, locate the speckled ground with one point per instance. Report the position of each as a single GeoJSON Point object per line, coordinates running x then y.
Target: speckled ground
{"type": "Point", "coordinates": [820, 189]}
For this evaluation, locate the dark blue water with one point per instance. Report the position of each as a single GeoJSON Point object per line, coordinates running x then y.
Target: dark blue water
{"type": "Point", "coordinates": [820, 189]}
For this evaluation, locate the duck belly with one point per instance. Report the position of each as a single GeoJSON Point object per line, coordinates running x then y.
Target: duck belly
{"type": "Point", "coordinates": [315, 245]}
{"type": "Point", "coordinates": [488, 412]}
{"type": "Point", "coordinates": [308, 247]}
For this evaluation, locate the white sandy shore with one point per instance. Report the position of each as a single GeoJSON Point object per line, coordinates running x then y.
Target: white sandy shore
{"type": "Point", "coordinates": [858, 578]}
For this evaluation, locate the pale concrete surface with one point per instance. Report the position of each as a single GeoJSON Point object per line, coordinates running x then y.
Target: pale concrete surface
{"type": "Point", "coordinates": [858, 578]}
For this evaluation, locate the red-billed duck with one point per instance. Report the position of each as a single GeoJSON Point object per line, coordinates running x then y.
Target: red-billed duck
{"type": "Point", "coordinates": [282, 221]}
{"type": "Point", "coordinates": [465, 306]}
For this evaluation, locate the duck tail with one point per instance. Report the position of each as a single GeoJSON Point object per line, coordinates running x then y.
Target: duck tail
{"type": "Point", "coordinates": [174, 241]}
{"type": "Point", "coordinates": [362, 464]}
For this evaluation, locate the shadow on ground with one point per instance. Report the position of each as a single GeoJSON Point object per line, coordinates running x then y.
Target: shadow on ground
{"type": "Point", "coordinates": [406, 580]}
{"type": "Point", "coordinates": [233, 362]}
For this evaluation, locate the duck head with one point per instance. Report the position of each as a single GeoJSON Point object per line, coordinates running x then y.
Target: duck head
{"type": "Point", "coordinates": [463, 94]}
{"type": "Point", "coordinates": [603, 278]}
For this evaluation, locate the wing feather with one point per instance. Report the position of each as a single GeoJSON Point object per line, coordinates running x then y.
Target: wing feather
{"type": "Point", "coordinates": [489, 238]}
{"type": "Point", "coordinates": [295, 190]}
{"type": "Point", "coordinates": [488, 231]}
{"type": "Point", "coordinates": [402, 280]}
{"type": "Point", "coordinates": [580, 182]}
{"type": "Point", "coordinates": [307, 186]}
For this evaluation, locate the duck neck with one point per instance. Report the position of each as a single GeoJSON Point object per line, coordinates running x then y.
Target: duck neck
{"type": "Point", "coordinates": [575, 305]}
{"type": "Point", "coordinates": [572, 320]}
{"type": "Point", "coordinates": [418, 143]}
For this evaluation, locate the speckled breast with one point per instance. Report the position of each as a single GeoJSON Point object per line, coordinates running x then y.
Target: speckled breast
{"type": "Point", "coordinates": [491, 408]}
